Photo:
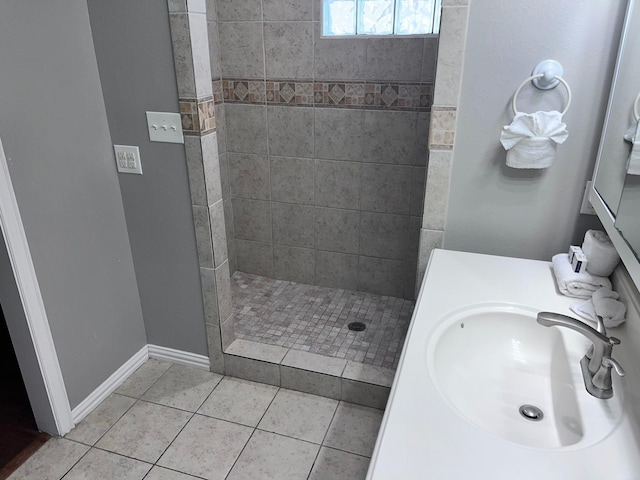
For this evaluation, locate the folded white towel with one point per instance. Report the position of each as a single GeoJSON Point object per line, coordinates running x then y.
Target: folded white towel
{"type": "Point", "coordinates": [605, 304]}
{"type": "Point", "coordinates": [633, 163]}
{"type": "Point", "coordinates": [602, 257]}
{"type": "Point", "coordinates": [571, 284]}
{"type": "Point", "coordinates": [532, 138]}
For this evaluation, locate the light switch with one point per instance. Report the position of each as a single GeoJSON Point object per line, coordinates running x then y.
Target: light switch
{"type": "Point", "coordinates": [128, 159]}
{"type": "Point", "coordinates": [165, 127]}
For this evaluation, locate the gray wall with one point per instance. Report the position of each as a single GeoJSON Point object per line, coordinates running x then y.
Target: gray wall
{"type": "Point", "coordinates": [533, 214]}
{"type": "Point", "coordinates": [133, 47]}
{"type": "Point", "coordinates": [54, 127]}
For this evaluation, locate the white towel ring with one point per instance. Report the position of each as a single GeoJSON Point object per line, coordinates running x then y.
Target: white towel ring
{"type": "Point", "coordinates": [635, 108]}
{"type": "Point", "coordinates": [562, 81]}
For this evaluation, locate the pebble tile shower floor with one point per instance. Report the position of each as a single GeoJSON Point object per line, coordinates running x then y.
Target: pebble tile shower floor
{"type": "Point", "coordinates": [315, 319]}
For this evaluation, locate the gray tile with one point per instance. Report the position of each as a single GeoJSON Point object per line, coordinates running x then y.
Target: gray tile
{"type": "Point", "coordinates": [422, 139]}
{"type": "Point", "coordinates": [254, 257]}
{"type": "Point", "coordinates": [354, 429]}
{"type": "Point", "coordinates": [228, 222]}
{"type": "Point", "coordinates": [338, 465]}
{"type": "Point", "coordinates": [337, 184]}
{"type": "Point", "coordinates": [429, 57]}
{"type": "Point", "coordinates": [246, 128]}
{"type": "Point", "coordinates": [453, 37]}
{"type": "Point", "coordinates": [258, 351]}
{"type": "Point", "coordinates": [394, 59]}
{"type": "Point", "coordinates": [417, 191]}
{"type": "Point", "coordinates": [385, 236]}
{"type": "Point", "coordinates": [233, 259]}
{"type": "Point", "coordinates": [436, 200]}
{"type": "Point", "coordinates": [99, 464]}
{"type": "Point", "coordinates": [212, 172]}
{"type": "Point", "coordinates": [183, 387]}
{"type": "Point", "coordinates": [227, 330]}
{"type": "Point", "coordinates": [214, 50]}
{"type": "Point", "coordinates": [386, 188]}
{"type": "Point", "coordinates": [195, 453]}
{"type": "Point", "coordinates": [287, 10]}
{"type": "Point", "coordinates": [159, 473]}
{"type": "Point", "coordinates": [384, 277]}
{"type": "Point", "coordinates": [339, 134]}
{"type": "Point", "coordinates": [101, 419]}
{"type": "Point", "coordinates": [290, 131]}
{"type": "Point", "coordinates": [40, 465]}
{"type": "Point", "coordinates": [369, 374]}
{"type": "Point", "coordinates": [310, 382]}
{"type": "Point", "coordinates": [338, 59]}
{"type": "Point", "coordinates": [429, 240]}
{"type": "Point", "coordinates": [337, 230]}
{"type": "Point", "coordinates": [288, 50]}
{"type": "Point", "coordinates": [251, 220]}
{"type": "Point", "coordinates": [214, 344]}
{"type": "Point", "coordinates": [221, 127]}
{"type": "Point", "coordinates": [316, 363]}
{"type": "Point", "coordinates": [238, 10]}
{"type": "Point", "coordinates": [195, 170]}
{"type": "Point", "coordinates": [209, 295]}
{"type": "Point", "coordinates": [390, 137]}
{"type": "Point", "coordinates": [299, 415]}
{"type": "Point", "coordinates": [139, 434]}
{"type": "Point", "coordinates": [292, 180]}
{"type": "Point", "coordinates": [249, 176]}
{"type": "Point", "coordinates": [203, 236]}
{"type": "Point", "coordinates": [337, 270]}
{"type": "Point", "coordinates": [254, 370]}
{"type": "Point", "coordinates": [218, 233]}
{"type": "Point", "coordinates": [365, 394]}
{"type": "Point", "coordinates": [200, 52]}
{"type": "Point", "coordinates": [294, 264]}
{"type": "Point", "coordinates": [182, 56]}
{"type": "Point", "coordinates": [224, 175]}
{"type": "Point", "coordinates": [239, 401]}
{"type": "Point", "coordinates": [292, 224]}
{"type": "Point", "coordinates": [415, 224]}
{"type": "Point", "coordinates": [177, 6]}
{"type": "Point", "coordinates": [262, 458]}
{"type": "Point", "coordinates": [143, 378]}
{"type": "Point", "coordinates": [223, 291]}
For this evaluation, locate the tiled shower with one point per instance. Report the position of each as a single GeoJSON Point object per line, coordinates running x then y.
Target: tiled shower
{"type": "Point", "coordinates": [323, 148]}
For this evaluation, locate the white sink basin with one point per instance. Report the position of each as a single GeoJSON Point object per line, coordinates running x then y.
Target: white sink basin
{"type": "Point", "coordinates": [489, 361]}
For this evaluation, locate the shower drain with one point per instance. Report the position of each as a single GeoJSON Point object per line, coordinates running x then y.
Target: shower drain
{"type": "Point", "coordinates": [531, 412]}
{"type": "Point", "coordinates": [357, 326]}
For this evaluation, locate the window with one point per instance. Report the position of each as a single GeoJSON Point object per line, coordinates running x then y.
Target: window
{"type": "Point", "coordinates": [380, 17]}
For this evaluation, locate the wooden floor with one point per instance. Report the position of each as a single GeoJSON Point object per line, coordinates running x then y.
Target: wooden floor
{"type": "Point", "coordinates": [19, 436]}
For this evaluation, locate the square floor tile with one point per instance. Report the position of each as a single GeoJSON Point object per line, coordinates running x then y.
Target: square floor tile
{"type": "Point", "coordinates": [299, 415]}
{"type": "Point", "coordinates": [354, 429]}
{"type": "Point", "coordinates": [206, 447]}
{"type": "Point", "coordinates": [142, 379]}
{"type": "Point", "coordinates": [159, 473]}
{"type": "Point", "coordinates": [51, 461]}
{"type": "Point", "coordinates": [145, 431]}
{"type": "Point", "coordinates": [338, 465]}
{"type": "Point", "coordinates": [271, 456]}
{"type": "Point", "coordinates": [101, 419]}
{"type": "Point", "coordinates": [239, 401]}
{"type": "Point", "coordinates": [183, 387]}
{"type": "Point", "coordinates": [100, 464]}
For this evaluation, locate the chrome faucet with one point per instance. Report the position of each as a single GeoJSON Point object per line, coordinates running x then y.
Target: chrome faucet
{"type": "Point", "coordinates": [597, 363]}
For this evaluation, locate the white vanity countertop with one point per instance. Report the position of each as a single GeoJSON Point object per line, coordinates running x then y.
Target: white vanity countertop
{"type": "Point", "coordinates": [422, 437]}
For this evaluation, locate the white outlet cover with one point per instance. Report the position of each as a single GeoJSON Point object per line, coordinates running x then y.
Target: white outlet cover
{"type": "Point", "coordinates": [128, 159]}
{"type": "Point", "coordinates": [165, 127]}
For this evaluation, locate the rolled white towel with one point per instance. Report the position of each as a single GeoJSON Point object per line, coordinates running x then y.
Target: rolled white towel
{"type": "Point", "coordinates": [606, 305]}
{"type": "Point", "coordinates": [602, 257]}
{"type": "Point", "coordinates": [571, 284]}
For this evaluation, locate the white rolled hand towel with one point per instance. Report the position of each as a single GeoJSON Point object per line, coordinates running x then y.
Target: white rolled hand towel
{"type": "Point", "coordinates": [605, 304]}
{"type": "Point", "coordinates": [572, 284]}
{"type": "Point", "coordinates": [602, 257]}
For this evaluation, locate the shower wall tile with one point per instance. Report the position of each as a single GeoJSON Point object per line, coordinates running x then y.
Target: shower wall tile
{"type": "Point", "coordinates": [338, 270]}
{"type": "Point", "coordinates": [337, 230]}
{"type": "Point", "coordinates": [214, 342]}
{"type": "Point", "coordinates": [373, 396]}
{"type": "Point", "coordinates": [415, 224]}
{"type": "Point", "coordinates": [309, 381]}
{"type": "Point", "coordinates": [287, 10]}
{"type": "Point", "coordinates": [214, 50]}
{"type": "Point", "coordinates": [200, 52]}
{"type": "Point", "coordinates": [394, 59]}
{"type": "Point", "coordinates": [203, 236]}
{"type": "Point", "coordinates": [246, 128]}
{"type": "Point", "coordinates": [443, 128]}
{"type": "Point", "coordinates": [212, 14]}
{"type": "Point", "coordinates": [223, 288]}
{"type": "Point", "coordinates": [177, 6]}
{"type": "Point", "coordinates": [288, 48]}
{"type": "Point", "coordinates": [241, 49]}
{"type": "Point", "coordinates": [209, 295]}
{"type": "Point", "coordinates": [233, 262]}
{"type": "Point", "coordinates": [437, 190]}
{"type": "Point", "coordinates": [253, 370]}
{"type": "Point", "coordinates": [221, 127]}
{"type": "Point", "coordinates": [337, 184]}
{"type": "Point", "coordinates": [429, 240]}
{"type": "Point", "coordinates": [417, 191]}
{"type": "Point", "coordinates": [384, 236]}
{"type": "Point", "coordinates": [292, 224]}
{"type": "Point", "coordinates": [227, 332]}
{"type": "Point", "coordinates": [251, 220]}
{"type": "Point", "coordinates": [422, 139]}
{"type": "Point", "coordinates": [211, 167]}
{"type": "Point", "coordinates": [390, 137]}
{"type": "Point", "coordinates": [225, 184]}
{"type": "Point", "coordinates": [386, 188]}
{"type": "Point", "coordinates": [335, 62]}
{"type": "Point", "coordinates": [294, 264]}
{"type": "Point", "coordinates": [238, 10]}
{"type": "Point", "coordinates": [256, 258]}
{"type": "Point", "coordinates": [195, 169]}
{"type": "Point", "coordinates": [228, 219]}
{"type": "Point", "coordinates": [292, 180]}
{"type": "Point", "coordinates": [339, 134]}
{"type": "Point", "coordinates": [249, 176]}
{"type": "Point", "coordinates": [182, 56]}
{"type": "Point", "coordinates": [451, 53]}
{"type": "Point", "coordinates": [218, 233]}
{"type": "Point", "coordinates": [429, 56]}
{"type": "Point", "coordinates": [290, 131]}
{"type": "Point", "coordinates": [384, 277]}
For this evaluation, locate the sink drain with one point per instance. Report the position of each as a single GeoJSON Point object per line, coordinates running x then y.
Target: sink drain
{"type": "Point", "coordinates": [531, 412]}
{"type": "Point", "coordinates": [357, 326]}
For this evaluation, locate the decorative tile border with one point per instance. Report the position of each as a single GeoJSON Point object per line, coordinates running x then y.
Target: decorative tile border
{"type": "Point", "coordinates": [443, 128]}
{"type": "Point", "coordinates": [197, 116]}
{"type": "Point", "coordinates": [385, 96]}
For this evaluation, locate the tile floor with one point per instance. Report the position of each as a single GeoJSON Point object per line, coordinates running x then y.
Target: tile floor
{"type": "Point", "coordinates": [173, 422]}
{"type": "Point", "coordinates": [314, 319]}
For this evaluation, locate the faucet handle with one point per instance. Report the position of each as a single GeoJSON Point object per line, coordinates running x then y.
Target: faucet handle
{"type": "Point", "coordinates": [610, 362]}
{"type": "Point", "coordinates": [614, 341]}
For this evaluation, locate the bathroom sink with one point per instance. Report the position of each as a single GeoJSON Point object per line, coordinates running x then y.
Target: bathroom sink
{"type": "Point", "coordinates": [504, 373]}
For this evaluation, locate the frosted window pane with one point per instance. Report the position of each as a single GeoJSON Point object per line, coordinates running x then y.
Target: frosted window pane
{"type": "Point", "coordinates": [339, 17]}
{"type": "Point", "coordinates": [414, 17]}
{"type": "Point", "coordinates": [375, 17]}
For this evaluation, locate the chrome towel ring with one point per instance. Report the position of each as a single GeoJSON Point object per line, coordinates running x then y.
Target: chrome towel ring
{"type": "Point", "coordinates": [563, 82]}
{"type": "Point", "coordinates": [636, 115]}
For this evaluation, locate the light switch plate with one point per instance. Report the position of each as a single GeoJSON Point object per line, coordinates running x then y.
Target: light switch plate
{"type": "Point", "coordinates": [128, 159]}
{"type": "Point", "coordinates": [165, 127]}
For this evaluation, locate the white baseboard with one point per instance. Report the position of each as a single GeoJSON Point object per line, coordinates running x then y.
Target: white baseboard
{"type": "Point", "coordinates": [109, 385]}
{"type": "Point", "coordinates": [178, 356]}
